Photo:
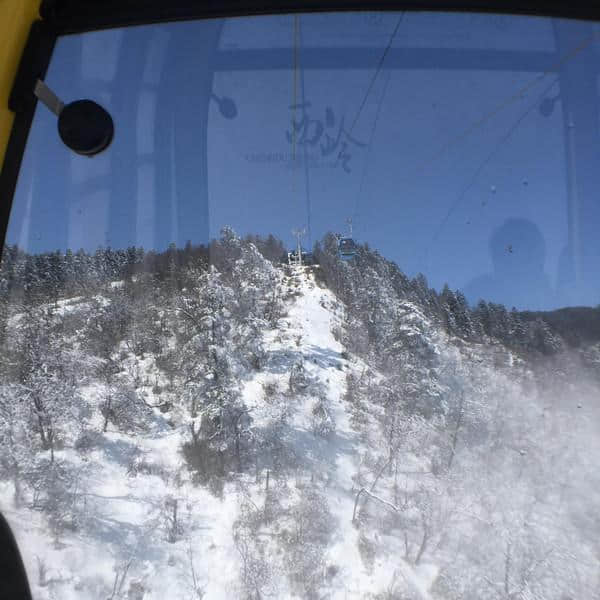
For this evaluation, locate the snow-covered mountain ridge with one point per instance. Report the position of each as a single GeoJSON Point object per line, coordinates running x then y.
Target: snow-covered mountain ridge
{"type": "Point", "coordinates": [254, 435]}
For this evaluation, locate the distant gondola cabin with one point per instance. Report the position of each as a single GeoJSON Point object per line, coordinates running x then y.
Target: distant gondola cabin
{"type": "Point", "coordinates": [346, 248]}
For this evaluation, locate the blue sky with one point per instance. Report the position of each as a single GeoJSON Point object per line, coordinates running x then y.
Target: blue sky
{"type": "Point", "coordinates": [438, 159]}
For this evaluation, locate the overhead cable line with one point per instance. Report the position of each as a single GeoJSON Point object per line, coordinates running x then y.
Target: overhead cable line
{"type": "Point", "coordinates": [370, 145]}
{"type": "Point", "coordinates": [517, 95]}
{"type": "Point", "coordinates": [294, 106]}
{"type": "Point", "coordinates": [486, 161]}
{"type": "Point", "coordinates": [305, 153]}
{"type": "Point", "coordinates": [294, 86]}
{"type": "Point", "coordinates": [374, 78]}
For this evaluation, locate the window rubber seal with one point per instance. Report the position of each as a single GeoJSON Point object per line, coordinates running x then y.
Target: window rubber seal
{"type": "Point", "coordinates": [33, 66]}
{"type": "Point", "coordinates": [77, 16]}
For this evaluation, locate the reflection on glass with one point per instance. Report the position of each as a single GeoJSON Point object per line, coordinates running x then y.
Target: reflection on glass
{"type": "Point", "coordinates": [518, 253]}
{"type": "Point", "coordinates": [322, 321]}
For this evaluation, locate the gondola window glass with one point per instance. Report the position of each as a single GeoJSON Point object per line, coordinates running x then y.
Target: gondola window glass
{"type": "Point", "coordinates": [322, 321]}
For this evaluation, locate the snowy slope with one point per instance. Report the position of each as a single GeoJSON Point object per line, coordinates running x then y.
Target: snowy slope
{"type": "Point", "coordinates": [282, 527]}
{"type": "Point", "coordinates": [125, 513]}
{"type": "Point", "coordinates": [307, 332]}
{"type": "Point", "coordinates": [123, 530]}
{"type": "Point", "coordinates": [314, 317]}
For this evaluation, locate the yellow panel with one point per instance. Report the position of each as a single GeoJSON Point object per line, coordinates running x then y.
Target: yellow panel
{"type": "Point", "coordinates": [16, 17]}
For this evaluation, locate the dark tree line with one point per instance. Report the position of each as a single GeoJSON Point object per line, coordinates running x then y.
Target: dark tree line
{"type": "Point", "coordinates": [174, 336]}
{"type": "Point", "coordinates": [539, 332]}
{"type": "Point", "coordinates": [48, 276]}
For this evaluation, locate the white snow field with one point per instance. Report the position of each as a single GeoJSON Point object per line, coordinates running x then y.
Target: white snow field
{"type": "Point", "coordinates": [283, 526]}
{"type": "Point", "coordinates": [123, 534]}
